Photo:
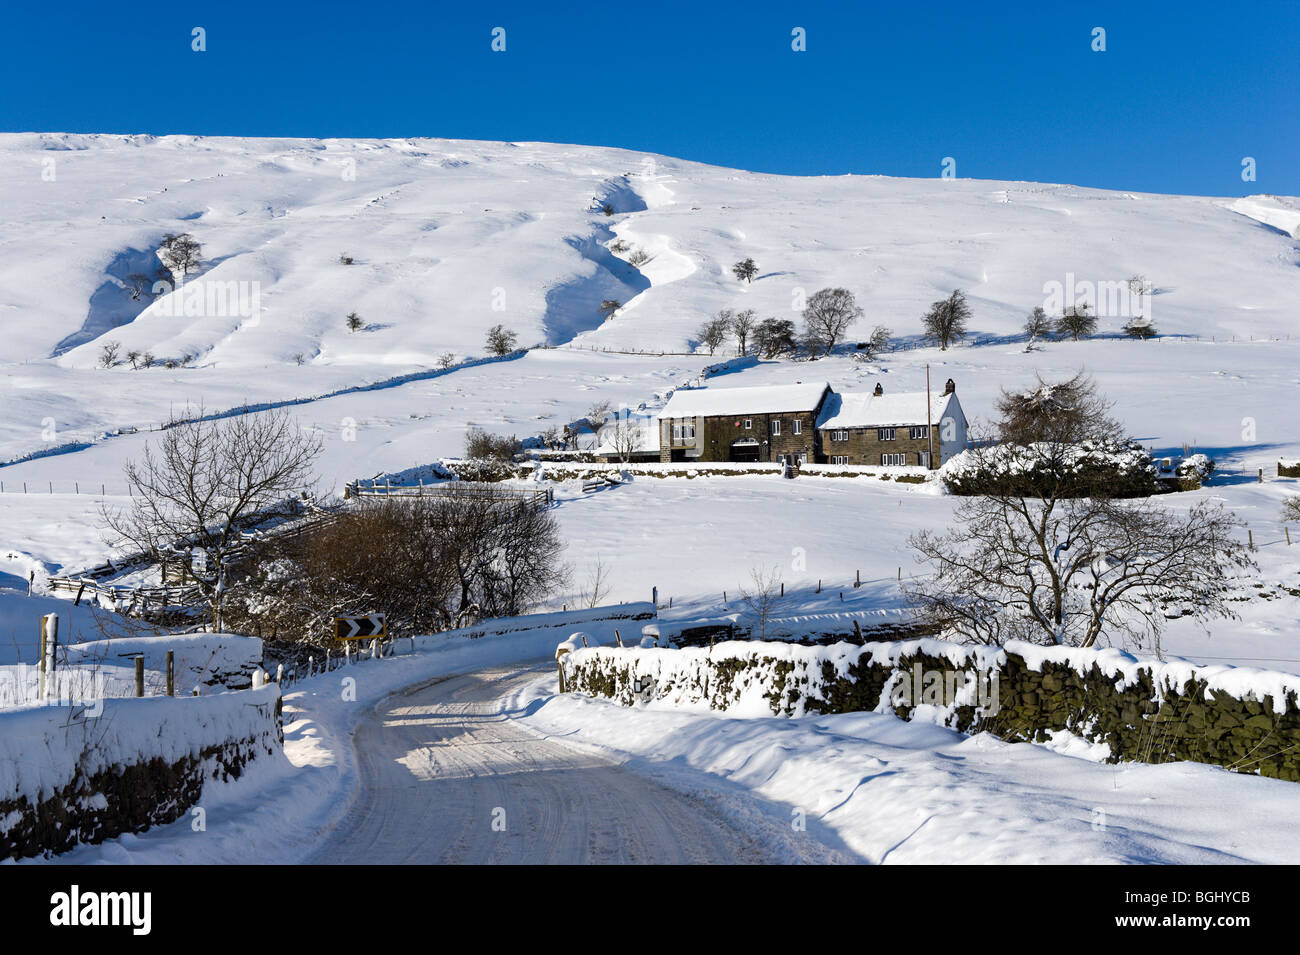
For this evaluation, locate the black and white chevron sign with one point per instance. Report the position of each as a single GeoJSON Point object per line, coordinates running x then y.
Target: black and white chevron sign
{"type": "Point", "coordinates": [356, 628]}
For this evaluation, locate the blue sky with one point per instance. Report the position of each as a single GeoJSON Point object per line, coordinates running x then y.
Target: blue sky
{"type": "Point", "coordinates": [1182, 94]}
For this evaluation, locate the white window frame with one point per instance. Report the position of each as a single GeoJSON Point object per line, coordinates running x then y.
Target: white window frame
{"type": "Point", "coordinates": [796, 426]}
{"type": "Point", "coordinates": [749, 424]}
{"type": "Point", "coordinates": [885, 434]}
{"type": "Point", "coordinates": [839, 459]}
{"type": "Point", "coordinates": [920, 432]}
{"type": "Point", "coordinates": [776, 427]}
{"type": "Point", "coordinates": [680, 434]}
{"type": "Point", "coordinates": [891, 460]}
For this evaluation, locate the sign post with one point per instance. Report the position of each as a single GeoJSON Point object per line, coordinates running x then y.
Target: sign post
{"type": "Point", "coordinates": [361, 628]}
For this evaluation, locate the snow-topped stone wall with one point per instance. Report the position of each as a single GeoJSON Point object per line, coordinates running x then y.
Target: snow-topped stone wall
{"type": "Point", "coordinates": [73, 775]}
{"type": "Point", "coordinates": [1143, 710]}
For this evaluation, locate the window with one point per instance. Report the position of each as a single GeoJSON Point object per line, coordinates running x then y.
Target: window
{"type": "Point", "coordinates": [776, 426]}
{"type": "Point", "coordinates": [893, 460]}
{"type": "Point", "coordinates": [749, 424]}
{"type": "Point", "coordinates": [796, 427]}
{"type": "Point", "coordinates": [885, 434]}
{"type": "Point", "coordinates": [839, 435]}
{"type": "Point", "coordinates": [683, 431]}
{"type": "Point", "coordinates": [920, 431]}
{"type": "Point", "coordinates": [839, 459]}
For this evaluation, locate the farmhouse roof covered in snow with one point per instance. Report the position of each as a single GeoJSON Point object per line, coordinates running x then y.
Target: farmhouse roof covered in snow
{"type": "Point", "coordinates": [710, 402]}
{"type": "Point", "coordinates": [863, 409]}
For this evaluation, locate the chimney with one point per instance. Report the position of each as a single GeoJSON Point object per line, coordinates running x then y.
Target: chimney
{"type": "Point", "coordinates": [950, 387]}
{"type": "Point", "coordinates": [880, 390]}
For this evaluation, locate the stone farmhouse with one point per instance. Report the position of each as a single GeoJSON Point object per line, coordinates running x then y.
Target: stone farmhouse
{"type": "Point", "coordinates": [878, 428]}
{"type": "Point", "coordinates": [811, 423]}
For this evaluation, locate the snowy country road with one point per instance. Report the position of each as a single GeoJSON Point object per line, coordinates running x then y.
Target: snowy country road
{"type": "Point", "coordinates": [440, 763]}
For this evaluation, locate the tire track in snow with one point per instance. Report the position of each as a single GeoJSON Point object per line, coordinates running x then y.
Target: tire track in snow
{"type": "Point", "coordinates": [443, 763]}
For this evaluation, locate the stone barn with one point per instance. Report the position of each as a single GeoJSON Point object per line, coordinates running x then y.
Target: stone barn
{"type": "Point", "coordinates": [764, 424]}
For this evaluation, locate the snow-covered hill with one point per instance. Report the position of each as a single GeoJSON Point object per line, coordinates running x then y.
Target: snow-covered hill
{"type": "Point", "coordinates": [449, 238]}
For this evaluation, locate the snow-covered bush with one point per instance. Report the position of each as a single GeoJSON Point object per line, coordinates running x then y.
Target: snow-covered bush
{"type": "Point", "coordinates": [1118, 469]}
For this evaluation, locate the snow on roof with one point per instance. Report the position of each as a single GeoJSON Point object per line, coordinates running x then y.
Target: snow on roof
{"type": "Point", "coordinates": [864, 409]}
{"type": "Point", "coordinates": [706, 402]}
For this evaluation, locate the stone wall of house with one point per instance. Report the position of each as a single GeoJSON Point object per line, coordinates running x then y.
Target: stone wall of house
{"type": "Point", "coordinates": [865, 447]}
{"type": "Point", "coordinates": [1146, 711]}
{"type": "Point", "coordinates": [717, 433]}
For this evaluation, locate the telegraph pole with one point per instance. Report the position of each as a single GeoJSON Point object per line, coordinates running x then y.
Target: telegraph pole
{"type": "Point", "coordinates": [929, 425]}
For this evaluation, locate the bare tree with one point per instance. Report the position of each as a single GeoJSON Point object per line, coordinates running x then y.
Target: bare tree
{"type": "Point", "coordinates": [1078, 571]}
{"type": "Point", "coordinates": [355, 322]}
{"type": "Point", "coordinates": [623, 437]}
{"type": "Point", "coordinates": [553, 438]}
{"type": "Point", "coordinates": [742, 326]}
{"type": "Point", "coordinates": [481, 444]}
{"type": "Point", "coordinates": [745, 270]}
{"type": "Point", "coordinates": [597, 415]}
{"type": "Point", "coordinates": [180, 254]}
{"type": "Point", "coordinates": [827, 317]}
{"type": "Point", "coordinates": [429, 563]}
{"type": "Point", "coordinates": [945, 322]}
{"type": "Point", "coordinates": [1291, 509]}
{"type": "Point", "coordinates": [595, 587]}
{"type": "Point", "coordinates": [714, 331]}
{"type": "Point", "coordinates": [762, 596]}
{"type": "Point", "coordinates": [133, 358]}
{"type": "Point", "coordinates": [1138, 285]}
{"type": "Point", "coordinates": [1065, 412]}
{"type": "Point", "coordinates": [204, 482]}
{"type": "Point", "coordinates": [609, 306]}
{"type": "Point", "coordinates": [878, 342]}
{"type": "Point", "coordinates": [638, 258]}
{"type": "Point", "coordinates": [108, 354]}
{"type": "Point", "coordinates": [1038, 325]}
{"type": "Point", "coordinates": [1139, 327]}
{"type": "Point", "coordinates": [500, 340]}
{"type": "Point", "coordinates": [774, 337]}
{"type": "Point", "coordinates": [446, 360]}
{"type": "Point", "coordinates": [1076, 322]}
{"type": "Point", "coordinates": [138, 284]}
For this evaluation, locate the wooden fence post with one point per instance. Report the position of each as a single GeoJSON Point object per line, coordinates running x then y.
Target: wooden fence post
{"type": "Point", "coordinates": [171, 672]}
{"type": "Point", "coordinates": [139, 676]}
{"type": "Point", "coordinates": [559, 664]}
{"type": "Point", "coordinates": [45, 655]}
